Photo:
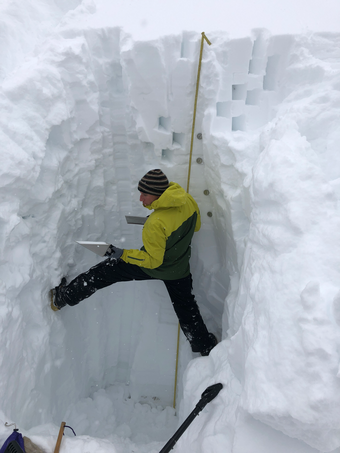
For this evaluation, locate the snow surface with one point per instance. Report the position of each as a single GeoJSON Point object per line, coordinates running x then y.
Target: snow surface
{"type": "Point", "coordinates": [86, 111]}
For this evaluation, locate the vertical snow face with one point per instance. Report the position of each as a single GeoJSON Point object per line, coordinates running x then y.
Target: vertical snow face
{"type": "Point", "coordinates": [59, 184]}
{"type": "Point", "coordinates": [275, 189]}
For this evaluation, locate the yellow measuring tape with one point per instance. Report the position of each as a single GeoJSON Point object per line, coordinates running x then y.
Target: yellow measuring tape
{"type": "Point", "coordinates": [188, 183]}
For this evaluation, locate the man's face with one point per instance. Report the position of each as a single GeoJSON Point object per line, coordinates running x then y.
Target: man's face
{"type": "Point", "coordinates": [147, 199]}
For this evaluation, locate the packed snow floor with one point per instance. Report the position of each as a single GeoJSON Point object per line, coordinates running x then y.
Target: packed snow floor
{"type": "Point", "coordinates": [107, 421]}
{"type": "Point", "coordinates": [86, 112]}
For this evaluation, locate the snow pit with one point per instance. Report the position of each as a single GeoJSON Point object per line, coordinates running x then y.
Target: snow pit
{"type": "Point", "coordinates": [84, 116]}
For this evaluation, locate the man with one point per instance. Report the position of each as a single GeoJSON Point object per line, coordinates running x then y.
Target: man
{"type": "Point", "coordinates": [165, 255]}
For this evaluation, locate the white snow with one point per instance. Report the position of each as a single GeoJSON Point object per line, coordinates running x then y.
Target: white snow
{"type": "Point", "coordinates": [87, 108]}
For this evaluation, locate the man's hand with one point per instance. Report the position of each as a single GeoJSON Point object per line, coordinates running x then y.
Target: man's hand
{"type": "Point", "coordinates": [114, 252]}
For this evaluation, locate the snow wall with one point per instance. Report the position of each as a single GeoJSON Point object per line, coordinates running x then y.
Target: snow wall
{"type": "Point", "coordinates": [84, 116]}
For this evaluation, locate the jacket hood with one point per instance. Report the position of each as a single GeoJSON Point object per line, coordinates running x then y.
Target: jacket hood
{"type": "Point", "coordinates": [174, 196]}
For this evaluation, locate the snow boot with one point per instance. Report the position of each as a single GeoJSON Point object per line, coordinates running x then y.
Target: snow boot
{"type": "Point", "coordinates": [213, 343]}
{"type": "Point", "coordinates": [56, 296]}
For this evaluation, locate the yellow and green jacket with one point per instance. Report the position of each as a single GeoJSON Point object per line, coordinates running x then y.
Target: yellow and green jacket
{"type": "Point", "coordinates": [167, 235]}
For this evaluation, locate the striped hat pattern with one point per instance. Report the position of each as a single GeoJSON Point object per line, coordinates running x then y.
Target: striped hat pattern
{"type": "Point", "coordinates": [154, 182]}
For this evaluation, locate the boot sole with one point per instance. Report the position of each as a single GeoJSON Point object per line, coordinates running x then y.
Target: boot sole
{"type": "Point", "coordinates": [54, 308]}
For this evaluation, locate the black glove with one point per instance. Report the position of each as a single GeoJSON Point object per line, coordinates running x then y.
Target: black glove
{"type": "Point", "coordinates": [114, 252]}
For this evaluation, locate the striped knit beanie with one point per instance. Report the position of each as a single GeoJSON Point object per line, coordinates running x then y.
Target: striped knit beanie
{"type": "Point", "coordinates": [154, 182]}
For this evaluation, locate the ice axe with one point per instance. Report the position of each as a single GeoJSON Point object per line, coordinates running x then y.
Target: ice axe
{"type": "Point", "coordinates": [60, 436]}
{"type": "Point", "coordinates": [208, 395]}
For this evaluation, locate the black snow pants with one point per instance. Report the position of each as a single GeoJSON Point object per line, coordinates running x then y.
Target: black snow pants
{"type": "Point", "coordinates": [180, 291]}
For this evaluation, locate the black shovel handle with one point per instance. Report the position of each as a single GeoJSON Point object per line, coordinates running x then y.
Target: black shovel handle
{"type": "Point", "coordinates": [208, 395]}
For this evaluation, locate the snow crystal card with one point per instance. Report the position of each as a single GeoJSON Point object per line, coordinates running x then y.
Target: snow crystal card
{"type": "Point", "coordinates": [99, 248]}
{"type": "Point", "coordinates": [136, 220]}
